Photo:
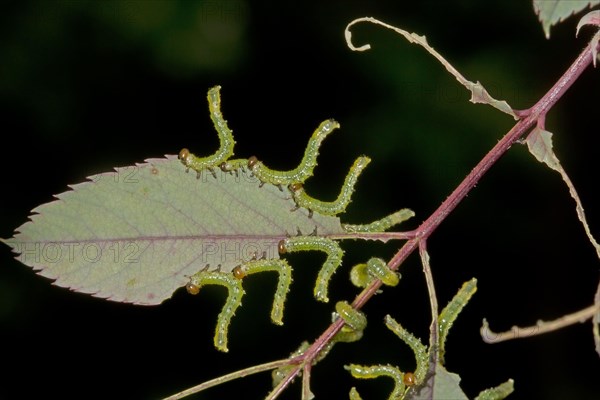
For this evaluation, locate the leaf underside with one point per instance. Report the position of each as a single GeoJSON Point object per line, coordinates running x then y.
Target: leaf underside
{"type": "Point", "coordinates": [136, 235]}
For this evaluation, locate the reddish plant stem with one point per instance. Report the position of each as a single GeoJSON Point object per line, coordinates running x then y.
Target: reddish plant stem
{"type": "Point", "coordinates": [529, 118]}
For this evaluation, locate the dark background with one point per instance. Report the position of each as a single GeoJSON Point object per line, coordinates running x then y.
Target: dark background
{"type": "Point", "coordinates": [86, 86]}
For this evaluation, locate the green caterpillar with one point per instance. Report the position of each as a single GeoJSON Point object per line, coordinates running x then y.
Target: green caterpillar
{"type": "Point", "coordinates": [338, 205]}
{"type": "Point", "coordinates": [354, 320]}
{"type": "Point", "coordinates": [283, 269]}
{"type": "Point", "coordinates": [381, 225]}
{"type": "Point", "coordinates": [497, 393]}
{"type": "Point", "coordinates": [418, 348]}
{"type": "Point", "coordinates": [451, 311]}
{"type": "Point", "coordinates": [361, 275]}
{"type": "Point", "coordinates": [234, 299]}
{"type": "Point", "coordinates": [233, 282]}
{"type": "Point", "coordinates": [307, 165]}
{"type": "Point", "coordinates": [375, 371]}
{"type": "Point", "coordinates": [315, 243]}
{"type": "Point", "coordinates": [226, 141]}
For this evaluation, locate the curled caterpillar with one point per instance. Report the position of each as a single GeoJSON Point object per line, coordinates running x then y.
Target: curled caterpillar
{"type": "Point", "coordinates": [284, 272]}
{"type": "Point", "coordinates": [355, 320]}
{"type": "Point", "coordinates": [361, 275]}
{"type": "Point", "coordinates": [337, 206]}
{"type": "Point", "coordinates": [226, 141]}
{"type": "Point", "coordinates": [306, 166]}
{"type": "Point", "coordinates": [316, 243]}
{"type": "Point", "coordinates": [418, 348]}
{"type": "Point", "coordinates": [375, 371]}
{"type": "Point", "coordinates": [234, 300]}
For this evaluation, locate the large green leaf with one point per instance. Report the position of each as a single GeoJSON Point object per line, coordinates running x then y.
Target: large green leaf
{"type": "Point", "coordinates": [136, 235]}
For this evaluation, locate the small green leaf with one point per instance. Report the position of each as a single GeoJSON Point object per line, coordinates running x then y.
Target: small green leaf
{"type": "Point", "coordinates": [439, 385]}
{"type": "Point", "coordinates": [137, 234]}
{"type": "Point", "coordinates": [551, 12]}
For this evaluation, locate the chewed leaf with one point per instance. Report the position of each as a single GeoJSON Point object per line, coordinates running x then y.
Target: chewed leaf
{"type": "Point", "coordinates": [539, 142]}
{"type": "Point", "coordinates": [478, 92]}
{"type": "Point", "coordinates": [551, 12]}
{"type": "Point", "coordinates": [137, 234]}
{"type": "Point", "coordinates": [440, 384]}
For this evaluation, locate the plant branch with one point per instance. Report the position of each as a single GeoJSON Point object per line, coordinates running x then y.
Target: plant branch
{"type": "Point", "coordinates": [229, 377]}
{"type": "Point", "coordinates": [416, 240]}
{"type": "Point", "coordinates": [306, 392]}
{"type": "Point", "coordinates": [277, 390]}
{"type": "Point", "coordinates": [529, 119]}
{"type": "Point", "coordinates": [434, 327]}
